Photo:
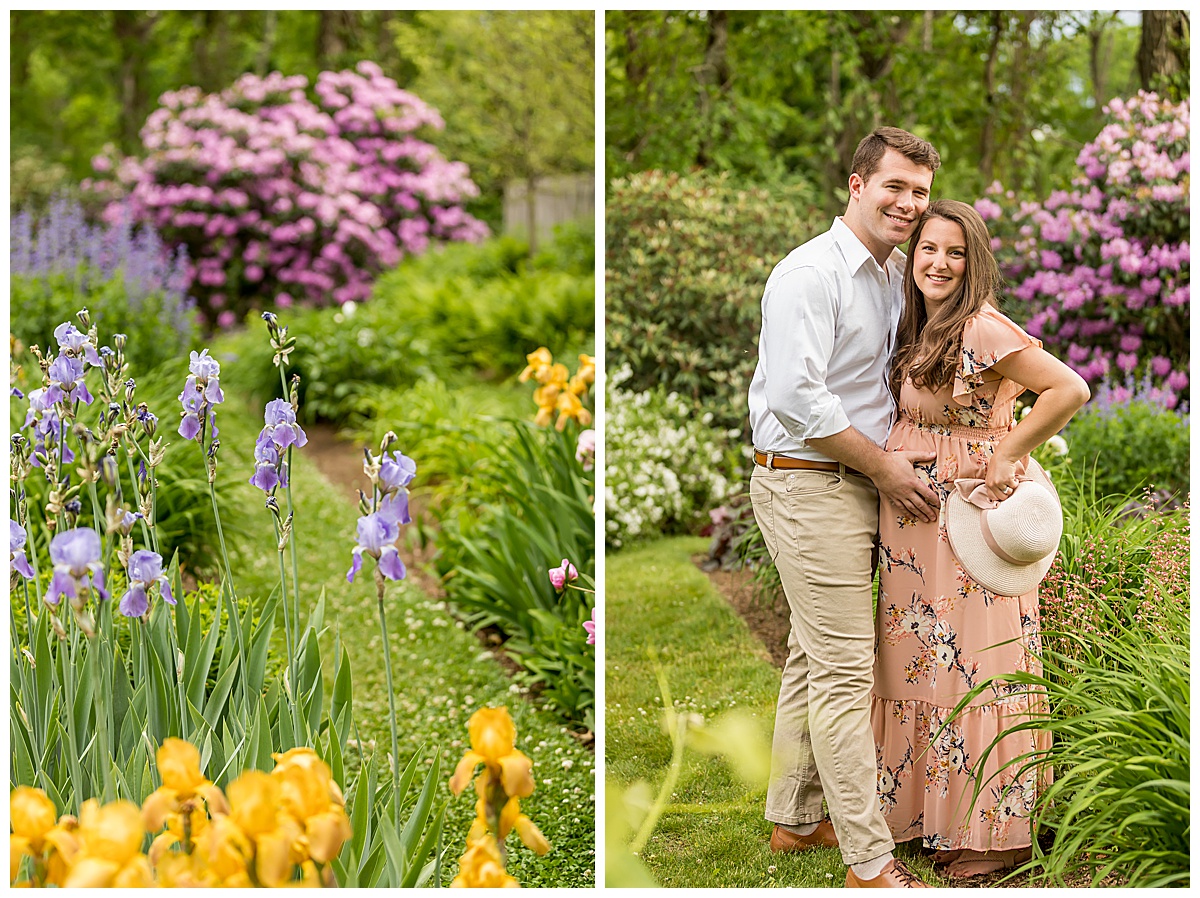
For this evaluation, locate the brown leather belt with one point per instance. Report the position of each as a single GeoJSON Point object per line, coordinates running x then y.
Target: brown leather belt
{"type": "Point", "coordinates": [784, 462]}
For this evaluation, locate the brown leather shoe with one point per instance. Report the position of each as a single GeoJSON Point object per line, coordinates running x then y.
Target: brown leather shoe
{"type": "Point", "coordinates": [895, 875]}
{"type": "Point", "coordinates": [783, 840]}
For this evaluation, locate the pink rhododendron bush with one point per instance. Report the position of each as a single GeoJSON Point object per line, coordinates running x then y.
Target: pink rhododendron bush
{"type": "Point", "coordinates": [1100, 273]}
{"type": "Point", "coordinates": [282, 196]}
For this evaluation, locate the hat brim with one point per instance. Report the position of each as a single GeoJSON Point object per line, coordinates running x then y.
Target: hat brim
{"type": "Point", "coordinates": [978, 561]}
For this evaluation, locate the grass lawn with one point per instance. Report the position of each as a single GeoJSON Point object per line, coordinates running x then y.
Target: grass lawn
{"type": "Point", "coordinates": [442, 672]}
{"type": "Point", "coordinates": [713, 834]}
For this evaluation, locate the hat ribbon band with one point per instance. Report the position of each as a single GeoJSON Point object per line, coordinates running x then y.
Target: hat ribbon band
{"type": "Point", "coordinates": [986, 532]}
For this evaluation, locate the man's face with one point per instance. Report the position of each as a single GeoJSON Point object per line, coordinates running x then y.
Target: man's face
{"type": "Point", "coordinates": [891, 200]}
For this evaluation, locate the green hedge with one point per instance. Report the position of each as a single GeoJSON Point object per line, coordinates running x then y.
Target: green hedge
{"type": "Point", "coordinates": [467, 311]}
{"type": "Point", "coordinates": [687, 258]}
{"type": "Point", "coordinates": [1131, 446]}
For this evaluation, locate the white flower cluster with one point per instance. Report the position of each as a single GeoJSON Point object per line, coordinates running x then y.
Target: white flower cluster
{"type": "Point", "coordinates": [664, 466]}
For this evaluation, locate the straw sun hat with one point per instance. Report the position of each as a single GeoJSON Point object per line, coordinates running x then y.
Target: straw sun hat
{"type": "Point", "coordinates": [1006, 547]}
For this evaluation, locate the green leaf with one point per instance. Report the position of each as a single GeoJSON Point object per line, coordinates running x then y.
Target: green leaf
{"type": "Point", "coordinates": [256, 661]}
{"type": "Point", "coordinates": [200, 652]}
{"type": "Point", "coordinates": [259, 754]}
{"type": "Point", "coordinates": [21, 748]}
{"type": "Point", "coordinates": [395, 854]}
{"type": "Point", "coordinates": [343, 692]}
{"type": "Point", "coordinates": [418, 870]}
{"type": "Point", "coordinates": [216, 700]}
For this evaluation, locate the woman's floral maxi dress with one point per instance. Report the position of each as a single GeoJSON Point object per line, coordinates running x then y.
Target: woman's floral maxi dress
{"type": "Point", "coordinates": [939, 633]}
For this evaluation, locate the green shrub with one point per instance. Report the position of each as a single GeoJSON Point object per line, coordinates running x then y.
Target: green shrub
{"type": "Point", "coordinates": [687, 258]}
{"type": "Point", "coordinates": [664, 467]}
{"type": "Point", "coordinates": [1113, 564]}
{"type": "Point", "coordinates": [1115, 611]}
{"type": "Point", "coordinates": [157, 329]}
{"type": "Point", "coordinates": [572, 251]}
{"type": "Point", "coordinates": [450, 430]}
{"type": "Point", "coordinates": [495, 551]}
{"type": "Point", "coordinates": [459, 312]}
{"type": "Point", "coordinates": [1130, 445]}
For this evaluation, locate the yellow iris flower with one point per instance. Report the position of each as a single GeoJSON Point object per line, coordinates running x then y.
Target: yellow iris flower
{"type": "Point", "coordinates": [482, 867]}
{"type": "Point", "coordinates": [538, 361]}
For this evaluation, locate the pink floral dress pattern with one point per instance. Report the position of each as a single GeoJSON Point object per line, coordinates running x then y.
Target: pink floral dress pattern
{"type": "Point", "coordinates": [939, 633]}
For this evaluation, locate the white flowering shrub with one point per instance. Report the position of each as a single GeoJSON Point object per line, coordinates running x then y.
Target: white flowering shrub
{"type": "Point", "coordinates": [664, 465]}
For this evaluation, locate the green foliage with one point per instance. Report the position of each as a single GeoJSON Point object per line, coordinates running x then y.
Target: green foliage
{"type": "Point", "coordinates": [768, 94]}
{"type": "Point", "coordinates": [687, 258]}
{"type": "Point", "coordinates": [1116, 673]}
{"type": "Point", "coordinates": [1129, 446]}
{"type": "Point", "coordinates": [462, 309]}
{"type": "Point", "coordinates": [155, 331]}
{"type": "Point", "coordinates": [664, 467]}
{"type": "Point", "coordinates": [497, 545]}
{"type": "Point", "coordinates": [516, 87]}
{"type": "Point", "coordinates": [1120, 800]}
{"type": "Point", "coordinates": [449, 430]}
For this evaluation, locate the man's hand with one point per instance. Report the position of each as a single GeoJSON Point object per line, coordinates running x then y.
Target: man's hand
{"type": "Point", "coordinates": [895, 478]}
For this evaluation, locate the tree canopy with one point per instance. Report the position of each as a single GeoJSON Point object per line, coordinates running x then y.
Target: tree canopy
{"type": "Point", "coordinates": [515, 88]}
{"type": "Point", "coordinates": [772, 95]}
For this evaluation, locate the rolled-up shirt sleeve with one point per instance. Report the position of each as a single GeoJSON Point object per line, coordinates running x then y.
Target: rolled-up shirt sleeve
{"type": "Point", "coordinates": [796, 343]}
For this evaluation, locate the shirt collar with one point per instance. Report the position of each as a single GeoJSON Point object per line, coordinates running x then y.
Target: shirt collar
{"type": "Point", "coordinates": [855, 252]}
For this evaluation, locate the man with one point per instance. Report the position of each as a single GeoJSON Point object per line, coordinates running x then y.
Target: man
{"type": "Point", "coordinates": [820, 412]}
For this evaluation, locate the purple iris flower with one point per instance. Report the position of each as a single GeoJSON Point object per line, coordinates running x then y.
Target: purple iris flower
{"type": "Point", "coordinates": [47, 427]}
{"type": "Point", "coordinates": [72, 339]}
{"type": "Point", "coordinates": [268, 465]}
{"type": "Point", "coordinates": [280, 430]}
{"type": "Point", "coordinates": [396, 472]}
{"type": "Point", "coordinates": [376, 534]}
{"type": "Point", "coordinates": [207, 372]}
{"type": "Point", "coordinates": [16, 550]}
{"type": "Point", "coordinates": [148, 420]}
{"type": "Point", "coordinates": [281, 426]}
{"type": "Point", "coordinates": [145, 569]}
{"type": "Point", "coordinates": [66, 381]}
{"type": "Point", "coordinates": [201, 394]}
{"type": "Point", "coordinates": [75, 555]}
{"type": "Point", "coordinates": [126, 519]}
{"type": "Point", "coordinates": [395, 508]}
{"type": "Point", "coordinates": [193, 408]}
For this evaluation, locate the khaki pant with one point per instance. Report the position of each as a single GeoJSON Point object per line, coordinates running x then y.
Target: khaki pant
{"type": "Point", "coordinates": [820, 530]}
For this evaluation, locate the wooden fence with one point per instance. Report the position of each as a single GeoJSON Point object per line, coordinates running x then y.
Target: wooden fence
{"type": "Point", "coordinates": [554, 200]}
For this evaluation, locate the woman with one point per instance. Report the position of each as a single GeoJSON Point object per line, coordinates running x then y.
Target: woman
{"type": "Point", "coordinates": [959, 367]}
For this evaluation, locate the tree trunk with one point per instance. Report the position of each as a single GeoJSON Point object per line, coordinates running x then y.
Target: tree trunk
{"type": "Point", "coordinates": [334, 30]}
{"type": "Point", "coordinates": [266, 49]}
{"type": "Point", "coordinates": [1099, 51]}
{"type": "Point", "coordinates": [1163, 50]}
{"type": "Point", "coordinates": [987, 135]}
{"type": "Point", "coordinates": [132, 31]}
{"type": "Point", "coordinates": [713, 78]}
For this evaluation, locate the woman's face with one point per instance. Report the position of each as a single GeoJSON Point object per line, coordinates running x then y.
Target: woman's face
{"type": "Point", "coordinates": [939, 261]}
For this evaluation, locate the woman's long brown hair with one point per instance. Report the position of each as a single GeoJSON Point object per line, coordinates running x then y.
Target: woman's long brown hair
{"type": "Point", "coordinates": [929, 349]}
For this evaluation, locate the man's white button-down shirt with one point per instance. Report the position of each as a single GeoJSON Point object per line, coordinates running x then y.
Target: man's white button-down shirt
{"type": "Point", "coordinates": [829, 317]}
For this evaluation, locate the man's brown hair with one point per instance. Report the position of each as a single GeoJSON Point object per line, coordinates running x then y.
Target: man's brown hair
{"type": "Point", "coordinates": [872, 147]}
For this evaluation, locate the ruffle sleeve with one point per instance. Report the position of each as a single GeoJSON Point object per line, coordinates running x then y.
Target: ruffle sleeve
{"type": "Point", "coordinates": [987, 338]}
